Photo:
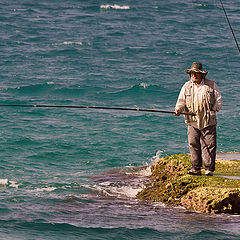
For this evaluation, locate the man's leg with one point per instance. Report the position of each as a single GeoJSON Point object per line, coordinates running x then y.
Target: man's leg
{"type": "Point", "coordinates": [195, 147]}
{"type": "Point", "coordinates": [209, 146]}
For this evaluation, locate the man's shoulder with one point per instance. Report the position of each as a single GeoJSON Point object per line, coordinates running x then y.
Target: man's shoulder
{"type": "Point", "coordinates": [209, 82]}
{"type": "Point", "coordinates": [186, 84]}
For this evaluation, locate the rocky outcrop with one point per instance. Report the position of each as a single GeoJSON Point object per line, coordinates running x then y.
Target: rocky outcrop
{"type": "Point", "coordinates": [211, 194]}
{"type": "Point", "coordinates": [213, 200]}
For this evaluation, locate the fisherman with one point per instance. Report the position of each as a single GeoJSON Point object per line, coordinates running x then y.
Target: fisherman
{"type": "Point", "coordinates": [201, 97]}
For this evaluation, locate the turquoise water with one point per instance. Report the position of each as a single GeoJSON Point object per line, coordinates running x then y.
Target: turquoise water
{"type": "Point", "coordinates": [72, 173]}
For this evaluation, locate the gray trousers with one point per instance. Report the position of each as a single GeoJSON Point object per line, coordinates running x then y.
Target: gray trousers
{"type": "Point", "coordinates": [202, 146]}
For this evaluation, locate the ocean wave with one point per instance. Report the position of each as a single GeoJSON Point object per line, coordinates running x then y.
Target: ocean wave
{"type": "Point", "coordinates": [146, 172]}
{"type": "Point", "coordinates": [72, 43]}
{"type": "Point", "coordinates": [50, 89]}
{"type": "Point", "coordinates": [107, 189]}
{"type": "Point", "coordinates": [76, 43]}
{"type": "Point", "coordinates": [78, 90]}
{"type": "Point", "coordinates": [141, 86]}
{"type": "Point", "coordinates": [140, 90]}
{"type": "Point", "coordinates": [115, 6]}
{"type": "Point", "coordinates": [55, 229]}
{"type": "Point", "coordinates": [20, 9]}
{"type": "Point", "coordinates": [121, 182]}
{"type": "Point", "coordinates": [208, 5]}
{"type": "Point", "coordinates": [201, 4]}
{"type": "Point", "coordinates": [31, 89]}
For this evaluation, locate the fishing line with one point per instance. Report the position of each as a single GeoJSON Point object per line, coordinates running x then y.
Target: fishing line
{"type": "Point", "coordinates": [235, 39]}
{"type": "Point", "coordinates": [221, 29]}
{"type": "Point", "coordinates": [88, 107]}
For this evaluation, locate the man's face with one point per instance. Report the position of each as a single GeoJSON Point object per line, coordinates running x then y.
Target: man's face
{"type": "Point", "coordinates": [196, 77]}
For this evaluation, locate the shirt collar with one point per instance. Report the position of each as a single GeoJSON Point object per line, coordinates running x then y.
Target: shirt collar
{"type": "Point", "coordinates": [202, 83]}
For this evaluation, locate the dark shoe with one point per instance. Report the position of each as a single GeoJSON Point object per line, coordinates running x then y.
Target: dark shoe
{"type": "Point", "coordinates": [208, 173]}
{"type": "Point", "coordinates": [194, 172]}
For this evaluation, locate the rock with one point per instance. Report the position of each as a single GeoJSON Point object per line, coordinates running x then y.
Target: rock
{"type": "Point", "coordinates": [213, 200]}
{"type": "Point", "coordinates": [171, 184]}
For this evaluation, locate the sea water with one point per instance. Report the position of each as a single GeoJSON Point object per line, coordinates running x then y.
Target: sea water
{"type": "Point", "coordinates": [74, 173]}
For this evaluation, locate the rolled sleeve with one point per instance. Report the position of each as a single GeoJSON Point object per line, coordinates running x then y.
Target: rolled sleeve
{"type": "Point", "coordinates": [181, 100]}
{"type": "Point", "coordinates": [218, 99]}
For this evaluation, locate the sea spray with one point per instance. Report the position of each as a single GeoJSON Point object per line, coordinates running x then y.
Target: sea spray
{"type": "Point", "coordinates": [4, 181]}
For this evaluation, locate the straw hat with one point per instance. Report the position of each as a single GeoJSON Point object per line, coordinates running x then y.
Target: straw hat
{"type": "Point", "coordinates": [196, 67]}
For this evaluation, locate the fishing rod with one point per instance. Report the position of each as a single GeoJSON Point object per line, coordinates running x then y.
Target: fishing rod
{"type": "Point", "coordinates": [235, 39]}
{"type": "Point", "coordinates": [89, 107]}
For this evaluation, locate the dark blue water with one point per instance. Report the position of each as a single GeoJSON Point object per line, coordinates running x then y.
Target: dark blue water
{"type": "Point", "coordinates": [71, 173]}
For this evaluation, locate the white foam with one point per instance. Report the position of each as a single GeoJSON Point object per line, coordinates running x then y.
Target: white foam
{"type": "Point", "coordinates": [159, 204]}
{"type": "Point", "coordinates": [144, 85]}
{"type": "Point", "coordinates": [145, 172]}
{"type": "Point", "coordinates": [9, 183]}
{"type": "Point", "coordinates": [19, 9]}
{"type": "Point", "coordinates": [97, 188]}
{"type": "Point", "coordinates": [126, 191]}
{"type": "Point", "coordinates": [13, 184]}
{"type": "Point", "coordinates": [50, 83]}
{"type": "Point", "coordinates": [73, 43]}
{"type": "Point", "coordinates": [113, 191]}
{"type": "Point", "coordinates": [47, 189]}
{"type": "Point", "coordinates": [155, 158]}
{"type": "Point", "coordinates": [105, 183]}
{"type": "Point", "coordinates": [4, 181]}
{"type": "Point", "coordinates": [201, 4]}
{"type": "Point", "coordinates": [115, 6]}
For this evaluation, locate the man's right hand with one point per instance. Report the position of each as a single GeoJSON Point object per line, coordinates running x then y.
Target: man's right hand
{"type": "Point", "coordinates": [177, 112]}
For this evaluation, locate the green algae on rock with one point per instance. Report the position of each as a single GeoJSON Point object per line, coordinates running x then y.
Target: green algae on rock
{"type": "Point", "coordinates": [228, 167]}
{"type": "Point", "coordinates": [171, 184]}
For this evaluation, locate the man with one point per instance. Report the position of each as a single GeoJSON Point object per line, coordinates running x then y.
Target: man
{"type": "Point", "coordinates": [201, 97]}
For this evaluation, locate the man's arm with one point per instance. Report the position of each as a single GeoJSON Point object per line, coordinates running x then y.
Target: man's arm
{"type": "Point", "coordinates": [180, 102]}
{"type": "Point", "coordinates": [218, 98]}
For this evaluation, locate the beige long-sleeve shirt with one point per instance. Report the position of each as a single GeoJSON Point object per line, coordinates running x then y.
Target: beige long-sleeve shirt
{"type": "Point", "coordinates": [199, 94]}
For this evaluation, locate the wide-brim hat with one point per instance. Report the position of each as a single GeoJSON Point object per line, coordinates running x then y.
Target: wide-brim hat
{"type": "Point", "coordinates": [196, 67]}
